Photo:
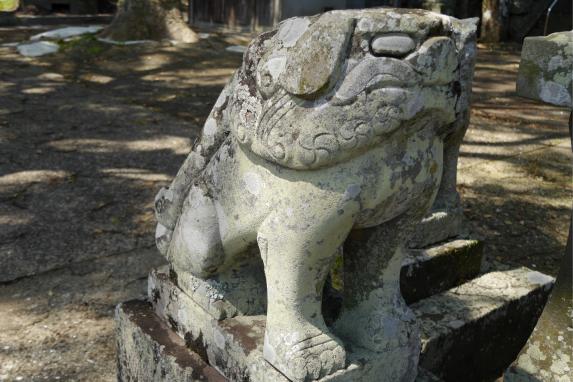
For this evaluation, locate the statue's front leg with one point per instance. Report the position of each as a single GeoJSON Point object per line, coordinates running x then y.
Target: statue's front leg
{"type": "Point", "coordinates": [374, 315]}
{"type": "Point", "coordinates": [298, 246]}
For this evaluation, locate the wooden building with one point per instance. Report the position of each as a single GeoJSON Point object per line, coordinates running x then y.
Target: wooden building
{"type": "Point", "coordinates": [521, 18]}
{"type": "Point", "coordinates": [256, 14]}
{"type": "Point", "coordinates": [263, 14]}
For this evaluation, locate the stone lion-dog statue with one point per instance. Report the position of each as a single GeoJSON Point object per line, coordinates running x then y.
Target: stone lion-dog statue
{"type": "Point", "coordinates": [336, 132]}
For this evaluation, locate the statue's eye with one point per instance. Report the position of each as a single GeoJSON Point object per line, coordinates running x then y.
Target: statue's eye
{"type": "Point", "coordinates": [392, 45]}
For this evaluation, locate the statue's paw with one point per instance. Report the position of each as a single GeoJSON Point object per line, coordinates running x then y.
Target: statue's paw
{"type": "Point", "coordinates": [379, 330]}
{"type": "Point", "coordinates": [309, 359]}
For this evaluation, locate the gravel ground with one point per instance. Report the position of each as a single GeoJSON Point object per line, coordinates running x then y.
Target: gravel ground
{"type": "Point", "coordinates": [90, 134]}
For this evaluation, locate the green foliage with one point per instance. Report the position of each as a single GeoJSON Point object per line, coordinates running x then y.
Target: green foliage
{"type": "Point", "coordinates": [85, 47]}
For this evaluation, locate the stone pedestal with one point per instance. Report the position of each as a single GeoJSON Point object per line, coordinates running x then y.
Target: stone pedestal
{"type": "Point", "coordinates": [176, 337]}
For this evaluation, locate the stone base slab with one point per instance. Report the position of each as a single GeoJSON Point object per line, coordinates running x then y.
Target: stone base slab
{"type": "Point", "coordinates": [471, 332]}
{"type": "Point", "coordinates": [148, 350]}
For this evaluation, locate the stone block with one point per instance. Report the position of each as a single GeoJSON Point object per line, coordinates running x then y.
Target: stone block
{"type": "Point", "coordinates": [148, 350]}
{"type": "Point", "coordinates": [545, 69]}
{"type": "Point", "coordinates": [474, 331]}
{"type": "Point", "coordinates": [461, 329]}
{"type": "Point", "coordinates": [426, 272]}
{"type": "Point", "coordinates": [235, 345]}
{"type": "Point", "coordinates": [437, 227]}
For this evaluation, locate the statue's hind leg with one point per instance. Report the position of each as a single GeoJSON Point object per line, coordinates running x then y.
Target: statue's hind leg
{"type": "Point", "coordinates": [374, 315]}
{"type": "Point", "coordinates": [204, 268]}
{"type": "Point", "coordinates": [196, 245]}
{"type": "Point", "coordinates": [298, 249]}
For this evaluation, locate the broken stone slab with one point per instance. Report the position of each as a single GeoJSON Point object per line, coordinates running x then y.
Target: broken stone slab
{"type": "Point", "coordinates": [37, 49]}
{"type": "Point", "coordinates": [236, 49]}
{"type": "Point", "coordinates": [429, 271]}
{"type": "Point", "coordinates": [474, 331]}
{"type": "Point", "coordinates": [67, 32]}
{"type": "Point", "coordinates": [125, 43]}
{"type": "Point", "coordinates": [548, 354]}
{"type": "Point", "coordinates": [545, 69]}
{"type": "Point", "coordinates": [143, 336]}
{"type": "Point", "coordinates": [148, 350]}
{"type": "Point", "coordinates": [461, 329]}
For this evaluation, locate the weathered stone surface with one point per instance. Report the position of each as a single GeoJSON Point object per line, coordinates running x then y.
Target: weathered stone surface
{"type": "Point", "coordinates": [433, 270]}
{"type": "Point", "coordinates": [437, 227]}
{"type": "Point", "coordinates": [150, 351]}
{"type": "Point", "coordinates": [545, 69]}
{"type": "Point", "coordinates": [424, 272]}
{"type": "Point", "coordinates": [473, 332]}
{"type": "Point", "coordinates": [501, 307]}
{"type": "Point", "coordinates": [394, 45]}
{"type": "Point", "coordinates": [317, 144]}
{"type": "Point", "coordinates": [235, 345]}
{"type": "Point", "coordinates": [548, 354]}
{"type": "Point", "coordinates": [176, 361]}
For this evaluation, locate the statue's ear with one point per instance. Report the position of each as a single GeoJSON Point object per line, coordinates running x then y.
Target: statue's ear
{"type": "Point", "coordinates": [313, 63]}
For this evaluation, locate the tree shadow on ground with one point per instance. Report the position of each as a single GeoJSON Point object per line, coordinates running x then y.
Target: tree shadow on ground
{"type": "Point", "coordinates": [88, 143]}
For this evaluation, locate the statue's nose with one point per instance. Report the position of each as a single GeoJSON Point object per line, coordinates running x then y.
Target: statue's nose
{"type": "Point", "coordinates": [314, 63]}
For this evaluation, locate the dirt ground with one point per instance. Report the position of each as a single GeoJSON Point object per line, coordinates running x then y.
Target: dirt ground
{"type": "Point", "coordinates": [88, 136]}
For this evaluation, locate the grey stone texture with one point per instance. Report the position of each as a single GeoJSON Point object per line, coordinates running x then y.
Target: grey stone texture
{"type": "Point", "coordinates": [148, 350]}
{"type": "Point", "coordinates": [545, 69]}
{"type": "Point", "coordinates": [472, 332]}
{"type": "Point", "coordinates": [147, 337]}
{"type": "Point", "coordinates": [339, 130]}
{"type": "Point", "coordinates": [501, 307]}
{"type": "Point", "coordinates": [429, 271]}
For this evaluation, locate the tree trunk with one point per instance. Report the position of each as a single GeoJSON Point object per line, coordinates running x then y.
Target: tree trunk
{"type": "Point", "coordinates": [493, 21]}
{"type": "Point", "coordinates": [149, 20]}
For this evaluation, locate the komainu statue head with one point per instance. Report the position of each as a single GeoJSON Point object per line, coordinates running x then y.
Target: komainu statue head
{"type": "Point", "coordinates": [319, 90]}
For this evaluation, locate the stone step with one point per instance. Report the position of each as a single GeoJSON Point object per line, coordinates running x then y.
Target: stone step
{"type": "Point", "coordinates": [474, 331]}
{"type": "Point", "coordinates": [471, 332]}
{"type": "Point", "coordinates": [429, 271]}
